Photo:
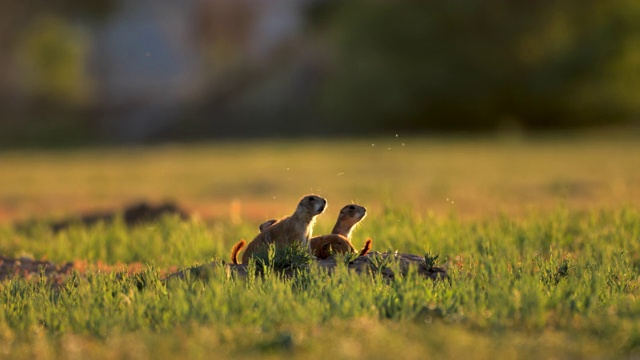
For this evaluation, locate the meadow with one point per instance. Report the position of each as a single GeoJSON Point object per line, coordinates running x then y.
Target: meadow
{"type": "Point", "coordinates": [541, 238]}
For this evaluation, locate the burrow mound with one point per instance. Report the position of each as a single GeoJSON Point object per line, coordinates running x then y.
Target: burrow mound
{"type": "Point", "coordinates": [389, 265]}
{"type": "Point", "coordinates": [56, 273]}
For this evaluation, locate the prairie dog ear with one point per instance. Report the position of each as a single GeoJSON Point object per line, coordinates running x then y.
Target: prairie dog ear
{"type": "Point", "coordinates": [267, 224]}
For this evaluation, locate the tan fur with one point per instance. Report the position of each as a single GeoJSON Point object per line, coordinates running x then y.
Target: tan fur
{"type": "Point", "coordinates": [323, 246]}
{"type": "Point", "coordinates": [334, 243]}
{"type": "Point", "coordinates": [288, 230]}
{"type": "Point", "coordinates": [339, 239]}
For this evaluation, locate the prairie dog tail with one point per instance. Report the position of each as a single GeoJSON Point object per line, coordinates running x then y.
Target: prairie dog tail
{"type": "Point", "coordinates": [368, 244]}
{"type": "Point", "coordinates": [236, 249]}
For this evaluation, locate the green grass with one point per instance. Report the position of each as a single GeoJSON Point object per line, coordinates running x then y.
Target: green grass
{"type": "Point", "coordinates": [541, 239]}
{"type": "Point", "coordinates": [562, 284]}
{"type": "Point", "coordinates": [274, 258]}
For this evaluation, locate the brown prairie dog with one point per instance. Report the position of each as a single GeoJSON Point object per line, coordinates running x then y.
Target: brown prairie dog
{"type": "Point", "coordinates": [290, 229]}
{"type": "Point", "coordinates": [339, 239]}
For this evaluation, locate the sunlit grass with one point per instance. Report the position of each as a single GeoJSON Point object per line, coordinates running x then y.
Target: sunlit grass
{"type": "Point", "coordinates": [541, 240]}
{"type": "Point", "coordinates": [563, 283]}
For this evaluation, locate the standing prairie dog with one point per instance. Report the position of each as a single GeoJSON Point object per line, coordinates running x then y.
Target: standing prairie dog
{"type": "Point", "coordinates": [288, 230]}
{"type": "Point", "coordinates": [339, 239]}
{"type": "Point", "coordinates": [348, 217]}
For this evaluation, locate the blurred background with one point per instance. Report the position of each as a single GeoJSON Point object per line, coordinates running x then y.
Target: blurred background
{"type": "Point", "coordinates": [76, 72]}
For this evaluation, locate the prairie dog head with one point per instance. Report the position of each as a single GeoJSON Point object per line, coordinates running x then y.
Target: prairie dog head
{"type": "Point", "coordinates": [352, 214]}
{"type": "Point", "coordinates": [311, 206]}
{"type": "Point", "coordinates": [349, 216]}
{"type": "Point", "coordinates": [308, 207]}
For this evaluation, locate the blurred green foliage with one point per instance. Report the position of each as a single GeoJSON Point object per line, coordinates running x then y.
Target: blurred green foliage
{"type": "Point", "coordinates": [47, 91]}
{"type": "Point", "coordinates": [355, 67]}
{"type": "Point", "coordinates": [51, 58]}
{"type": "Point", "coordinates": [482, 64]}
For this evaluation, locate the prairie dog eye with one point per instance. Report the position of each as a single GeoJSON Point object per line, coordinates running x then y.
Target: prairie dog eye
{"type": "Point", "coordinates": [312, 198]}
{"type": "Point", "coordinates": [351, 207]}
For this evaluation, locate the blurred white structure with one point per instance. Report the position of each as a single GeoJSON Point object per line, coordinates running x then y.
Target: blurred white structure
{"type": "Point", "coordinates": [150, 58]}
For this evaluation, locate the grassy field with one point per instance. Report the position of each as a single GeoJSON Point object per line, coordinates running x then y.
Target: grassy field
{"type": "Point", "coordinates": [244, 181]}
{"type": "Point", "coordinates": [541, 238]}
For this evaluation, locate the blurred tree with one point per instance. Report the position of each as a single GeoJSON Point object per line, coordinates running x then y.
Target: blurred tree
{"type": "Point", "coordinates": [45, 88]}
{"type": "Point", "coordinates": [478, 64]}
{"type": "Point", "coordinates": [51, 59]}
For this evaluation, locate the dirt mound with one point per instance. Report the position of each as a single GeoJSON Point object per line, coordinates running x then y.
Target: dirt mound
{"type": "Point", "coordinates": [30, 268]}
{"type": "Point", "coordinates": [55, 274]}
{"type": "Point", "coordinates": [389, 265]}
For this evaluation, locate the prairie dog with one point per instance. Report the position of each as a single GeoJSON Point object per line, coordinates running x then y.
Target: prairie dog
{"type": "Point", "coordinates": [339, 239]}
{"type": "Point", "coordinates": [290, 229]}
